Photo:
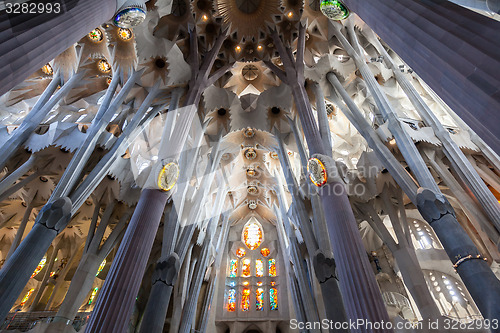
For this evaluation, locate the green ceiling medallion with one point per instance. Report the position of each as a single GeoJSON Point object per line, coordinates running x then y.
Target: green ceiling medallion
{"type": "Point", "coordinates": [334, 10]}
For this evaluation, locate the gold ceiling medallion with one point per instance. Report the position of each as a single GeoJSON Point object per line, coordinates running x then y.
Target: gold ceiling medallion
{"type": "Point", "coordinates": [249, 132]}
{"type": "Point", "coordinates": [124, 34]}
{"type": "Point", "coordinates": [252, 204]}
{"type": "Point", "coordinates": [47, 70]}
{"type": "Point", "coordinates": [250, 154]}
{"type": "Point", "coordinates": [251, 172]}
{"type": "Point", "coordinates": [252, 190]}
{"type": "Point", "coordinates": [317, 172]}
{"type": "Point", "coordinates": [96, 35]}
{"type": "Point", "coordinates": [168, 176]}
{"type": "Point", "coordinates": [104, 66]}
{"type": "Point", "coordinates": [274, 155]}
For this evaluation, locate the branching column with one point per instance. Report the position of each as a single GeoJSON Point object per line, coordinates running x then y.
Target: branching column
{"type": "Point", "coordinates": [453, 49]}
{"type": "Point", "coordinates": [357, 282]}
{"type": "Point", "coordinates": [29, 41]}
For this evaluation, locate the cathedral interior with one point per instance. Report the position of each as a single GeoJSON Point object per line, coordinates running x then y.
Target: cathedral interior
{"type": "Point", "coordinates": [242, 166]}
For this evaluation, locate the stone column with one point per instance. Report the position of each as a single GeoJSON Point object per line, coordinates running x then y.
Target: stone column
{"type": "Point", "coordinates": [17, 270]}
{"type": "Point", "coordinates": [357, 281]}
{"type": "Point", "coordinates": [324, 268]}
{"type": "Point", "coordinates": [457, 158]}
{"type": "Point", "coordinates": [453, 49]}
{"type": "Point", "coordinates": [29, 41]}
{"type": "Point", "coordinates": [164, 277]}
{"type": "Point", "coordinates": [477, 276]}
{"type": "Point", "coordinates": [116, 300]}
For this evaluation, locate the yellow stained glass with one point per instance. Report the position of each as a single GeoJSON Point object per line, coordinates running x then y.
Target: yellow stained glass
{"type": "Point", "coordinates": [231, 300]}
{"type": "Point", "coordinates": [265, 251]}
{"type": "Point", "coordinates": [233, 268]}
{"type": "Point", "coordinates": [245, 269]}
{"type": "Point", "coordinates": [39, 267]}
{"type": "Point", "coordinates": [240, 252]}
{"type": "Point", "coordinates": [252, 235]}
{"type": "Point", "coordinates": [101, 267]}
{"type": "Point", "coordinates": [272, 267]}
{"type": "Point", "coordinates": [259, 268]}
{"type": "Point", "coordinates": [245, 299]}
{"type": "Point", "coordinates": [92, 295]}
{"type": "Point", "coordinates": [27, 296]}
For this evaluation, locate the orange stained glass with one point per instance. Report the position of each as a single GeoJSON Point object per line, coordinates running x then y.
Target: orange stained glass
{"type": "Point", "coordinates": [39, 267]}
{"type": "Point", "coordinates": [272, 267]}
{"type": "Point", "coordinates": [233, 268]}
{"type": "Point", "coordinates": [246, 283]}
{"type": "Point", "coordinates": [27, 296]}
{"type": "Point", "coordinates": [245, 269]}
{"type": "Point", "coordinates": [245, 299]}
{"type": "Point", "coordinates": [252, 235]}
{"type": "Point", "coordinates": [101, 267]}
{"type": "Point", "coordinates": [259, 283]}
{"type": "Point", "coordinates": [259, 268]}
{"type": "Point", "coordinates": [231, 300]}
{"type": "Point", "coordinates": [265, 251]}
{"type": "Point", "coordinates": [240, 252]}
{"type": "Point", "coordinates": [273, 298]}
{"type": "Point", "coordinates": [259, 299]}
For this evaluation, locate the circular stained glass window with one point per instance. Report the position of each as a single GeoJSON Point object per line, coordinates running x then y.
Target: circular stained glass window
{"type": "Point", "coordinates": [265, 251]}
{"type": "Point", "coordinates": [250, 154]}
{"type": "Point", "coordinates": [240, 252]}
{"type": "Point", "coordinates": [334, 9]}
{"type": "Point", "coordinates": [317, 172]}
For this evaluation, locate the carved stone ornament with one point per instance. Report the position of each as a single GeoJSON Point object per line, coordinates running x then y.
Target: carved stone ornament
{"type": "Point", "coordinates": [249, 132]}
{"type": "Point", "coordinates": [167, 178]}
{"type": "Point", "coordinates": [250, 154]}
{"type": "Point", "coordinates": [252, 204]}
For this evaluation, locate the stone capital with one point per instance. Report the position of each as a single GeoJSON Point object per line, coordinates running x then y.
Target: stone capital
{"type": "Point", "coordinates": [432, 206]}
{"type": "Point", "coordinates": [324, 267]}
{"type": "Point", "coordinates": [55, 215]}
{"type": "Point", "coordinates": [167, 270]}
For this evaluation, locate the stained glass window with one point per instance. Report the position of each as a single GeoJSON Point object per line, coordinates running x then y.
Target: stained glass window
{"type": "Point", "coordinates": [259, 268]}
{"type": "Point", "coordinates": [39, 267]}
{"type": "Point", "coordinates": [246, 283]}
{"type": "Point", "coordinates": [240, 252]}
{"type": "Point", "coordinates": [245, 269]}
{"type": "Point", "coordinates": [259, 299]}
{"type": "Point", "coordinates": [245, 299]}
{"type": "Point", "coordinates": [92, 295]}
{"type": "Point", "coordinates": [273, 298]}
{"type": "Point", "coordinates": [272, 267]}
{"type": "Point", "coordinates": [231, 300]}
{"type": "Point", "coordinates": [252, 235]}
{"type": "Point", "coordinates": [265, 251]}
{"type": "Point", "coordinates": [233, 268]}
{"type": "Point", "coordinates": [27, 296]}
{"type": "Point", "coordinates": [101, 267]}
{"type": "Point", "coordinates": [259, 283]}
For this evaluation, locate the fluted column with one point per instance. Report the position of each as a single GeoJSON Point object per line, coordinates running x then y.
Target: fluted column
{"type": "Point", "coordinates": [115, 304]}
{"type": "Point", "coordinates": [29, 41]}
{"type": "Point", "coordinates": [453, 49]}
{"type": "Point", "coordinates": [17, 270]}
